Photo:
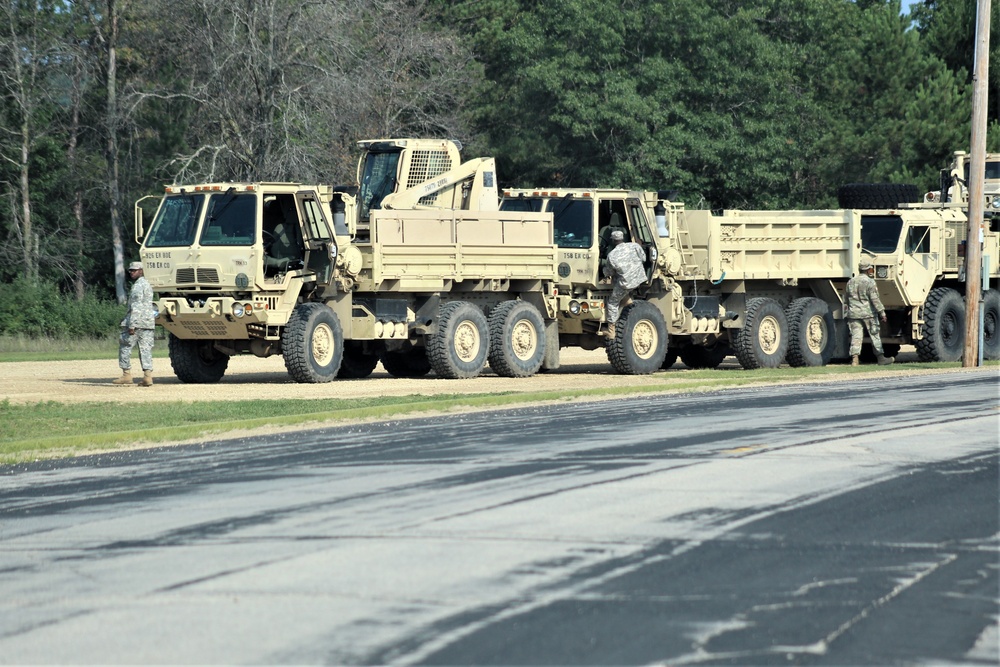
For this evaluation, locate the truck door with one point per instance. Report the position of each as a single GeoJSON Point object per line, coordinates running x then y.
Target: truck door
{"type": "Point", "coordinates": [921, 261]}
{"type": "Point", "coordinates": [320, 246]}
{"type": "Point", "coordinates": [643, 234]}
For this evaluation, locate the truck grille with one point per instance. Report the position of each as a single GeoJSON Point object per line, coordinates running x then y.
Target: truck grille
{"type": "Point", "coordinates": [187, 276]}
{"type": "Point", "coordinates": [217, 329]}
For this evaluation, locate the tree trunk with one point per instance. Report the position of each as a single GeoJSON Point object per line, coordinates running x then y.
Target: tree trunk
{"type": "Point", "coordinates": [117, 233]}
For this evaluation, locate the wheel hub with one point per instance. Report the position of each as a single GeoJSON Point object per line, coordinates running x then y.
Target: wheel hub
{"type": "Point", "coordinates": [524, 340]}
{"type": "Point", "coordinates": [467, 341]}
{"type": "Point", "coordinates": [644, 339]}
{"type": "Point", "coordinates": [815, 334]}
{"type": "Point", "coordinates": [323, 344]}
{"type": "Point", "coordinates": [769, 335]}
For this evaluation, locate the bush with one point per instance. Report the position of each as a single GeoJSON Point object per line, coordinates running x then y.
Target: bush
{"type": "Point", "coordinates": [40, 309]}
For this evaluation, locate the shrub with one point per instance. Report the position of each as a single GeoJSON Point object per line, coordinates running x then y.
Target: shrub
{"type": "Point", "coordinates": [39, 309]}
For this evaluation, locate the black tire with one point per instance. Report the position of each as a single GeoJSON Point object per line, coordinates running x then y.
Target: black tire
{"type": "Point", "coordinates": [313, 344]}
{"type": "Point", "coordinates": [700, 356]}
{"type": "Point", "coordinates": [640, 342]}
{"type": "Point", "coordinates": [409, 364]}
{"type": "Point", "coordinates": [810, 333]}
{"type": "Point", "coordinates": [876, 195]}
{"type": "Point", "coordinates": [462, 342]}
{"type": "Point", "coordinates": [944, 326]}
{"type": "Point", "coordinates": [670, 359]}
{"type": "Point", "coordinates": [356, 363]}
{"type": "Point", "coordinates": [196, 361]}
{"type": "Point", "coordinates": [763, 340]}
{"type": "Point", "coordinates": [991, 324]}
{"type": "Point", "coordinates": [517, 339]}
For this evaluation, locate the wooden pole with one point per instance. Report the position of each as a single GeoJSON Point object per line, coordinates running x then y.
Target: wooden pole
{"type": "Point", "coordinates": [977, 172]}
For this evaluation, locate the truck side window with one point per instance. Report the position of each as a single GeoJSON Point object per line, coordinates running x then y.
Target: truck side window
{"type": "Point", "coordinates": [315, 222]}
{"type": "Point", "coordinates": [918, 240]}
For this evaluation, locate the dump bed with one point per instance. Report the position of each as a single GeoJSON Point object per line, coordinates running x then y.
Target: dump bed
{"type": "Point", "coordinates": [775, 245]}
{"type": "Point", "coordinates": [430, 250]}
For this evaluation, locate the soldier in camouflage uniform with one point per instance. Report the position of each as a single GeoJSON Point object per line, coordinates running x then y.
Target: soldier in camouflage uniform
{"type": "Point", "coordinates": [625, 269]}
{"type": "Point", "coordinates": [137, 329]}
{"type": "Point", "coordinates": [862, 305]}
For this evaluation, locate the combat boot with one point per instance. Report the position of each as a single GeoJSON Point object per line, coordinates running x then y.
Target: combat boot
{"type": "Point", "coordinates": [854, 361]}
{"type": "Point", "coordinates": [147, 379]}
{"type": "Point", "coordinates": [126, 377]}
{"type": "Point", "coordinates": [884, 360]}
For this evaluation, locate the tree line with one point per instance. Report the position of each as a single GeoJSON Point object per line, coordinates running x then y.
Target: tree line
{"type": "Point", "coordinates": [730, 103]}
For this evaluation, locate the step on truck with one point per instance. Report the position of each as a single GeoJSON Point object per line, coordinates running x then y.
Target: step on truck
{"type": "Point", "coordinates": [765, 286]}
{"type": "Point", "coordinates": [415, 266]}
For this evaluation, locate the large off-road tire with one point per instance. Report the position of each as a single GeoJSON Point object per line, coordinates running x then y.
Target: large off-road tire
{"type": "Point", "coordinates": [670, 358]}
{"type": "Point", "coordinates": [406, 364]}
{"type": "Point", "coordinates": [876, 195]}
{"type": "Point", "coordinates": [313, 344]}
{"type": "Point", "coordinates": [356, 363]}
{"type": "Point", "coordinates": [462, 342]}
{"type": "Point", "coordinates": [700, 356]}
{"type": "Point", "coordinates": [810, 333]}
{"type": "Point", "coordinates": [944, 326]}
{"type": "Point", "coordinates": [640, 342]}
{"type": "Point", "coordinates": [517, 339]}
{"type": "Point", "coordinates": [763, 340]}
{"type": "Point", "coordinates": [196, 361]}
{"type": "Point", "coordinates": [991, 324]}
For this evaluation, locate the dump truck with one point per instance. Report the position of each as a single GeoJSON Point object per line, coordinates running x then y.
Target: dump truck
{"type": "Point", "coordinates": [765, 286]}
{"type": "Point", "coordinates": [414, 266]}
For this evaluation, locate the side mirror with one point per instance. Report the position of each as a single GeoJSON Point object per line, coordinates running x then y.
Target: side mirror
{"type": "Point", "coordinates": [140, 227]}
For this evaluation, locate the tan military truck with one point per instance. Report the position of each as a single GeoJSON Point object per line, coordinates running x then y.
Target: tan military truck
{"type": "Point", "coordinates": [766, 286]}
{"type": "Point", "coordinates": [954, 182]}
{"type": "Point", "coordinates": [415, 266]}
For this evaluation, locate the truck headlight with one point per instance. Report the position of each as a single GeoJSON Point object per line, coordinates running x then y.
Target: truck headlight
{"type": "Point", "coordinates": [238, 310]}
{"type": "Point", "coordinates": [574, 307]}
{"type": "Point", "coordinates": [882, 271]}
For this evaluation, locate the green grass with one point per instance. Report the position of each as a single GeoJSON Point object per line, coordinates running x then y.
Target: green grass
{"type": "Point", "coordinates": [51, 429]}
{"type": "Point", "coordinates": [23, 348]}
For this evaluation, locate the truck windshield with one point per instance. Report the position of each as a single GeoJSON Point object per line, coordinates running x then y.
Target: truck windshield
{"type": "Point", "coordinates": [378, 179]}
{"type": "Point", "coordinates": [574, 222]}
{"type": "Point", "coordinates": [992, 170]}
{"type": "Point", "coordinates": [231, 220]}
{"type": "Point", "coordinates": [573, 218]}
{"type": "Point", "coordinates": [880, 233]}
{"type": "Point", "coordinates": [175, 222]}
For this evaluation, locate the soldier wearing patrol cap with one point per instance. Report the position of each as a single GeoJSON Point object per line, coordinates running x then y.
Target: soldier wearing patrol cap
{"type": "Point", "coordinates": [863, 305]}
{"type": "Point", "coordinates": [137, 329]}
{"type": "Point", "coordinates": [626, 271]}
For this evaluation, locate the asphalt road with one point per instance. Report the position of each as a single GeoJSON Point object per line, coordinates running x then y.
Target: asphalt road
{"type": "Point", "coordinates": [845, 523]}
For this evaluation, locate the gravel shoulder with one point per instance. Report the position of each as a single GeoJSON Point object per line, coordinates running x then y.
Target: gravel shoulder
{"type": "Point", "coordinates": [253, 378]}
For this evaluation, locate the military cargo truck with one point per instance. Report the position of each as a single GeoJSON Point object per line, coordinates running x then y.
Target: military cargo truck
{"type": "Point", "coordinates": [954, 182]}
{"type": "Point", "coordinates": [766, 286]}
{"type": "Point", "coordinates": [415, 266]}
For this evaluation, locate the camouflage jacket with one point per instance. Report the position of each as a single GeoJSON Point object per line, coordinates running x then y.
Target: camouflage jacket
{"type": "Point", "coordinates": [862, 298]}
{"type": "Point", "coordinates": [625, 265]}
{"type": "Point", "coordinates": [140, 306]}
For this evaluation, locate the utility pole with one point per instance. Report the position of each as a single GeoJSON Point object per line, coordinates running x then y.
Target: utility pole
{"type": "Point", "coordinates": [977, 172]}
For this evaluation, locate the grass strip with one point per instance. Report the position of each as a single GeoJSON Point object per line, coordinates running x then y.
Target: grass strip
{"type": "Point", "coordinates": [96, 427]}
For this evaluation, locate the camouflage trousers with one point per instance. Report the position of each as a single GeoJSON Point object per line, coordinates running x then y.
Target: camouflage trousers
{"type": "Point", "coordinates": [857, 327]}
{"type": "Point", "coordinates": [613, 303]}
{"type": "Point", "coordinates": [144, 339]}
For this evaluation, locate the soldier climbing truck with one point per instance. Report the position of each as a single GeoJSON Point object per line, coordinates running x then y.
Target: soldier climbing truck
{"type": "Point", "coordinates": [422, 266]}
{"type": "Point", "coordinates": [766, 286]}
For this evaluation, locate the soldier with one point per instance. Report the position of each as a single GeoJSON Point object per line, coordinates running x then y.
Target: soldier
{"type": "Point", "coordinates": [862, 305]}
{"type": "Point", "coordinates": [625, 269]}
{"type": "Point", "coordinates": [137, 328]}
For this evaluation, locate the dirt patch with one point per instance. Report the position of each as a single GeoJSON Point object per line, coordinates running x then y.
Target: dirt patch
{"type": "Point", "coordinates": [252, 378]}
